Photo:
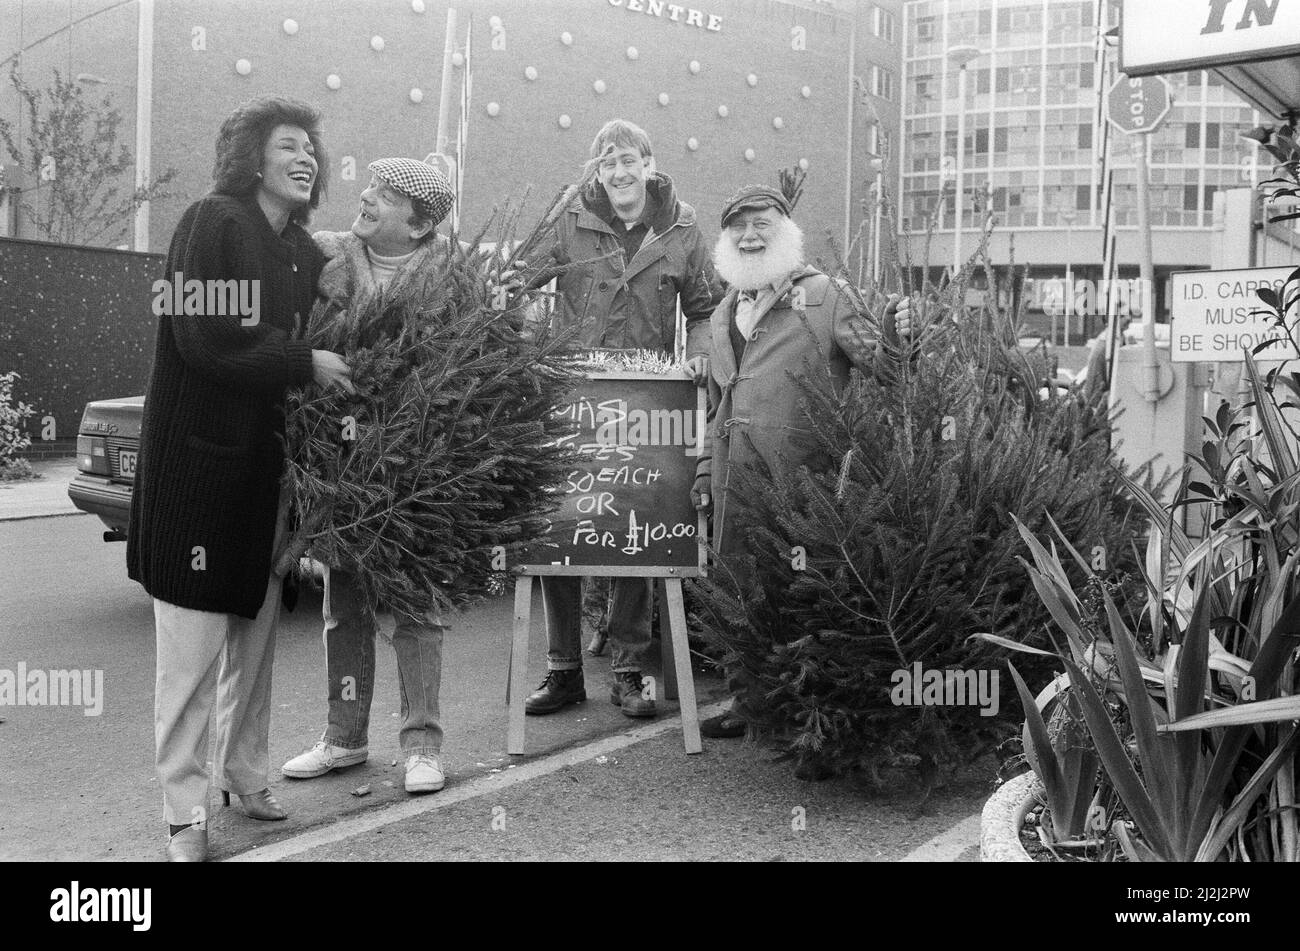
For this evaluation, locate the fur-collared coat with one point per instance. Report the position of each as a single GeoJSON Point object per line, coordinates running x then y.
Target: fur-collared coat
{"type": "Point", "coordinates": [347, 283]}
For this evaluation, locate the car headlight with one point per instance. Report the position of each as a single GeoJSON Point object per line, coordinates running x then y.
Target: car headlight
{"type": "Point", "coordinates": [92, 455]}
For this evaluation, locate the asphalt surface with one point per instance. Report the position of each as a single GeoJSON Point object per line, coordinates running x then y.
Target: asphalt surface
{"type": "Point", "coordinates": [74, 787]}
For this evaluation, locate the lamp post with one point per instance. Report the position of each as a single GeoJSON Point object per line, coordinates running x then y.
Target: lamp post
{"type": "Point", "coordinates": [960, 56]}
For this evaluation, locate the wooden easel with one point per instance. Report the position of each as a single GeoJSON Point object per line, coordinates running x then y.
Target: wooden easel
{"type": "Point", "coordinates": [678, 681]}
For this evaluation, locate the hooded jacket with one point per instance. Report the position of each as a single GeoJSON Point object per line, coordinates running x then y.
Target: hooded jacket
{"type": "Point", "coordinates": [624, 304]}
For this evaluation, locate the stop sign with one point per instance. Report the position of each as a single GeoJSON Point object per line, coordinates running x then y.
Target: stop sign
{"type": "Point", "coordinates": [1138, 104]}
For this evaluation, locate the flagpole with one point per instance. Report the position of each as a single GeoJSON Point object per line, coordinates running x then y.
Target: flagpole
{"type": "Point", "coordinates": [444, 94]}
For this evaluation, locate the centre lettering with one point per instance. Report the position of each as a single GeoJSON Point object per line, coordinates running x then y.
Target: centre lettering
{"type": "Point", "coordinates": [672, 11]}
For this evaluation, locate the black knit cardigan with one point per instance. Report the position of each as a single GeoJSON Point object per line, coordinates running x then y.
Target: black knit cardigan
{"type": "Point", "coordinates": [212, 447]}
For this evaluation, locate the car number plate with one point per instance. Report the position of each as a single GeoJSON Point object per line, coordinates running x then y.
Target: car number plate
{"type": "Point", "coordinates": [126, 463]}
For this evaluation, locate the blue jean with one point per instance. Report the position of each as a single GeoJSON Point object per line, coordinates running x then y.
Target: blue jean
{"type": "Point", "coordinates": [629, 622]}
{"type": "Point", "coordinates": [350, 667]}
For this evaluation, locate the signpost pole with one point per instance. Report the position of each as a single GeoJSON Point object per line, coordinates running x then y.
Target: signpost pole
{"type": "Point", "coordinates": [1150, 365]}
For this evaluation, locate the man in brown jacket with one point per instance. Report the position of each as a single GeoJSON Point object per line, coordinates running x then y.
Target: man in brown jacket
{"type": "Point", "coordinates": [781, 320]}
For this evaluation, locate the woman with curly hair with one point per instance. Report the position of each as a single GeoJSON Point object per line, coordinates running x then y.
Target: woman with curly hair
{"type": "Point", "coordinates": [207, 510]}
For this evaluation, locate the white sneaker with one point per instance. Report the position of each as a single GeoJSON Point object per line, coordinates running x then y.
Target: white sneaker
{"type": "Point", "coordinates": [423, 774]}
{"type": "Point", "coordinates": [322, 758]}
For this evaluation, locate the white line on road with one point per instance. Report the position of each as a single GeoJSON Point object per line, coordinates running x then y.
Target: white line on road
{"type": "Point", "coordinates": [359, 825]}
{"type": "Point", "coordinates": [946, 846]}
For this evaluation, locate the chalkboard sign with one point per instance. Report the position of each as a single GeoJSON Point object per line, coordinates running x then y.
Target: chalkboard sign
{"type": "Point", "coordinates": [627, 503]}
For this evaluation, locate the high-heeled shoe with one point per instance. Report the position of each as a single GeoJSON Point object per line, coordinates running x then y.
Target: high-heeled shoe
{"type": "Point", "coordinates": [188, 845]}
{"type": "Point", "coordinates": [258, 805]}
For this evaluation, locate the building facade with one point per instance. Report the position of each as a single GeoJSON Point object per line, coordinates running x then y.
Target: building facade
{"type": "Point", "coordinates": [1035, 147]}
{"type": "Point", "coordinates": [729, 90]}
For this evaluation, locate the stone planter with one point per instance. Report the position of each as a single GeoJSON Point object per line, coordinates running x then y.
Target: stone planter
{"type": "Point", "coordinates": [1003, 816]}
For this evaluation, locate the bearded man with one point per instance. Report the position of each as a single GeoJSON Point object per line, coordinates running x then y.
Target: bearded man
{"type": "Point", "coordinates": [781, 320]}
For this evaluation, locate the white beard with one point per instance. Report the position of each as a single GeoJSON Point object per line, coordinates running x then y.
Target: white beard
{"type": "Point", "coordinates": [746, 272]}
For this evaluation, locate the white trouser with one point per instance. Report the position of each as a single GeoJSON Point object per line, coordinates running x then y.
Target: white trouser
{"type": "Point", "coordinates": [213, 662]}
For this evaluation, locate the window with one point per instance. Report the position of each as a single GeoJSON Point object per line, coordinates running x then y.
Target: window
{"type": "Point", "coordinates": [1211, 135]}
{"type": "Point", "coordinates": [1189, 197]}
{"type": "Point", "coordinates": [925, 28]}
{"type": "Point", "coordinates": [882, 82]}
{"type": "Point", "coordinates": [1192, 136]}
{"type": "Point", "coordinates": [882, 24]}
{"type": "Point", "coordinates": [1000, 139]}
{"type": "Point", "coordinates": [1085, 135]}
{"type": "Point", "coordinates": [1083, 197]}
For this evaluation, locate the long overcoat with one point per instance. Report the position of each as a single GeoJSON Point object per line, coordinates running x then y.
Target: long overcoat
{"type": "Point", "coordinates": [207, 485]}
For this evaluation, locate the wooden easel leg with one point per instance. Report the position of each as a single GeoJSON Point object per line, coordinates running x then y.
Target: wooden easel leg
{"type": "Point", "coordinates": [668, 667]}
{"type": "Point", "coordinates": [516, 684]}
{"type": "Point", "coordinates": [682, 666]}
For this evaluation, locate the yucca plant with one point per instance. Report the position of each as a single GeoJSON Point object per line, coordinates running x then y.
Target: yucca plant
{"type": "Point", "coordinates": [1199, 739]}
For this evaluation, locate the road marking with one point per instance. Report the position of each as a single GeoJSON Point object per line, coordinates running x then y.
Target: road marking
{"type": "Point", "coordinates": [946, 846]}
{"type": "Point", "coordinates": [416, 806]}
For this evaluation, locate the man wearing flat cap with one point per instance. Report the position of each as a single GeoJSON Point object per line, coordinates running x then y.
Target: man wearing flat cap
{"type": "Point", "coordinates": [780, 321]}
{"type": "Point", "coordinates": [393, 247]}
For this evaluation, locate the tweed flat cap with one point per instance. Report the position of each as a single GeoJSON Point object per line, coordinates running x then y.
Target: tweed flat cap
{"type": "Point", "coordinates": [754, 197]}
{"type": "Point", "coordinates": [426, 186]}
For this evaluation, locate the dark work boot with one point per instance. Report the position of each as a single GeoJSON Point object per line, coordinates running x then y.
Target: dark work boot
{"type": "Point", "coordinates": [629, 693]}
{"type": "Point", "coordinates": [561, 687]}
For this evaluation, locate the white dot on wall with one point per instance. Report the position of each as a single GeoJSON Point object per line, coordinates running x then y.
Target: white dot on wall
{"type": "Point", "coordinates": [806, 91]}
{"type": "Point", "coordinates": [663, 99]}
{"type": "Point", "coordinates": [692, 143]}
{"type": "Point", "coordinates": [417, 95]}
{"type": "Point", "coordinates": [333, 81]}
{"type": "Point", "coordinates": [723, 111]}
{"type": "Point", "coordinates": [417, 6]}
{"type": "Point", "coordinates": [803, 164]}
{"type": "Point", "coordinates": [632, 52]}
{"type": "Point", "coordinates": [531, 73]}
{"type": "Point", "coordinates": [377, 43]}
{"type": "Point", "coordinates": [291, 27]}
{"type": "Point", "coordinates": [751, 79]}
{"type": "Point", "coordinates": [494, 108]}
{"type": "Point", "coordinates": [694, 67]}
{"type": "Point", "coordinates": [458, 59]}
{"type": "Point", "coordinates": [243, 67]}
{"type": "Point", "coordinates": [565, 122]}
{"type": "Point", "coordinates": [749, 155]}
{"type": "Point", "coordinates": [494, 22]}
{"type": "Point", "coordinates": [778, 123]}
{"type": "Point", "coordinates": [566, 38]}
{"type": "Point", "coordinates": [599, 85]}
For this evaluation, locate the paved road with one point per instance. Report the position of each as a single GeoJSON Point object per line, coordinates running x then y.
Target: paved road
{"type": "Point", "coordinates": [78, 787]}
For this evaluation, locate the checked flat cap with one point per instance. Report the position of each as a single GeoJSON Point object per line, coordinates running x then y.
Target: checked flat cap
{"type": "Point", "coordinates": [426, 186]}
{"type": "Point", "coordinates": [754, 196]}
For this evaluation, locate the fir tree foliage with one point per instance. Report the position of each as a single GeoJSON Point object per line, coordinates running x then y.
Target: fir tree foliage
{"type": "Point", "coordinates": [899, 542]}
{"type": "Point", "coordinates": [429, 479]}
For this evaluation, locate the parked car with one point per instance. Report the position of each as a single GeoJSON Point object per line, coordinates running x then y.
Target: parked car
{"type": "Point", "coordinates": [108, 447]}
